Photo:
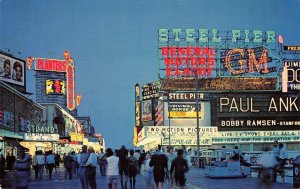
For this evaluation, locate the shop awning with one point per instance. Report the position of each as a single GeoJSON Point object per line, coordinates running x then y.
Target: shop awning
{"type": "Point", "coordinates": [16, 144]}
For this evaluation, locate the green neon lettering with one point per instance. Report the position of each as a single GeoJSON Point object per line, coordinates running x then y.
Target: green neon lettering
{"type": "Point", "coordinates": [235, 34]}
{"type": "Point", "coordinates": [163, 35]}
{"type": "Point", "coordinates": [203, 35]}
{"type": "Point", "coordinates": [257, 36]}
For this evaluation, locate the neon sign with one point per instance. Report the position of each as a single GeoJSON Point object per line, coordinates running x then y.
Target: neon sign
{"type": "Point", "coordinates": [184, 61]}
{"type": "Point", "coordinates": [205, 35]}
{"type": "Point", "coordinates": [217, 53]}
{"type": "Point", "coordinates": [70, 87]}
{"type": "Point", "coordinates": [252, 61]}
{"type": "Point", "coordinates": [53, 65]}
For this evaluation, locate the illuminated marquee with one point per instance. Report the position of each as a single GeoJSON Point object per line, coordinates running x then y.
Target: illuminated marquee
{"type": "Point", "coordinates": [55, 86]}
{"type": "Point", "coordinates": [53, 65]}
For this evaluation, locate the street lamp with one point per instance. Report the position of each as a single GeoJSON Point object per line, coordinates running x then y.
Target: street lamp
{"type": "Point", "coordinates": [197, 111]}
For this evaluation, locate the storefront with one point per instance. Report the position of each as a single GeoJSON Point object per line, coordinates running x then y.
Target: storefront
{"type": "Point", "coordinates": [16, 113]}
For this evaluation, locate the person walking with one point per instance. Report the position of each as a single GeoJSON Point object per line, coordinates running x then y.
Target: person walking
{"type": "Point", "coordinates": [123, 166]}
{"type": "Point", "coordinates": [82, 159]}
{"type": "Point", "coordinates": [22, 174]}
{"type": "Point", "coordinates": [102, 162]}
{"type": "Point", "coordinates": [41, 163]}
{"type": "Point", "coordinates": [2, 165]}
{"type": "Point", "coordinates": [74, 163]}
{"type": "Point", "coordinates": [282, 160]}
{"type": "Point", "coordinates": [159, 162]}
{"type": "Point", "coordinates": [35, 165]}
{"type": "Point", "coordinates": [132, 169]}
{"type": "Point", "coordinates": [68, 162]}
{"type": "Point", "coordinates": [148, 171]}
{"type": "Point", "coordinates": [112, 169]}
{"type": "Point", "coordinates": [57, 160]}
{"type": "Point", "coordinates": [50, 161]}
{"type": "Point", "coordinates": [180, 166]}
{"type": "Point", "coordinates": [91, 166]}
{"type": "Point", "coordinates": [275, 159]}
{"type": "Point", "coordinates": [10, 161]}
{"type": "Point", "coordinates": [171, 156]}
{"type": "Point", "coordinates": [265, 175]}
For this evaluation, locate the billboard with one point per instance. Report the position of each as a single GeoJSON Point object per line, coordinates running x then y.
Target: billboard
{"type": "Point", "coordinates": [147, 110]}
{"type": "Point", "coordinates": [150, 90]}
{"type": "Point", "coordinates": [12, 70]}
{"type": "Point", "coordinates": [55, 87]}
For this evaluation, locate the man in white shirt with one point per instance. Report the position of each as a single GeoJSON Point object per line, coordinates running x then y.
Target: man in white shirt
{"type": "Point", "coordinates": [91, 165]}
{"type": "Point", "coordinates": [41, 163]}
{"type": "Point", "coordinates": [112, 169]}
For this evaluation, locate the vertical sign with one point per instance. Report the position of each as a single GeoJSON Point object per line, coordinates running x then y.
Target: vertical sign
{"type": "Point", "coordinates": [70, 86]}
{"type": "Point", "coordinates": [137, 106]}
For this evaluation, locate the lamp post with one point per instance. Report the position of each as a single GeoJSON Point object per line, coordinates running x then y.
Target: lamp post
{"type": "Point", "coordinates": [197, 111]}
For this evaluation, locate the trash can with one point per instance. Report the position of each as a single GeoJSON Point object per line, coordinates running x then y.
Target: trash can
{"type": "Point", "coordinates": [296, 172]}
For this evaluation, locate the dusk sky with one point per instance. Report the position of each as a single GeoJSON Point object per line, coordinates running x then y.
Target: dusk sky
{"type": "Point", "coordinates": [114, 43]}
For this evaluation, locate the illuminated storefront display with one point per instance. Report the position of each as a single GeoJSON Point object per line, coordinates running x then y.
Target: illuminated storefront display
{"type": "Point", "coordinates": [76, 138]}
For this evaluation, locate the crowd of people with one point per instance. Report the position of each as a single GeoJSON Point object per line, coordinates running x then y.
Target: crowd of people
{"type": "Point", "coordinates": [121, 166]}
